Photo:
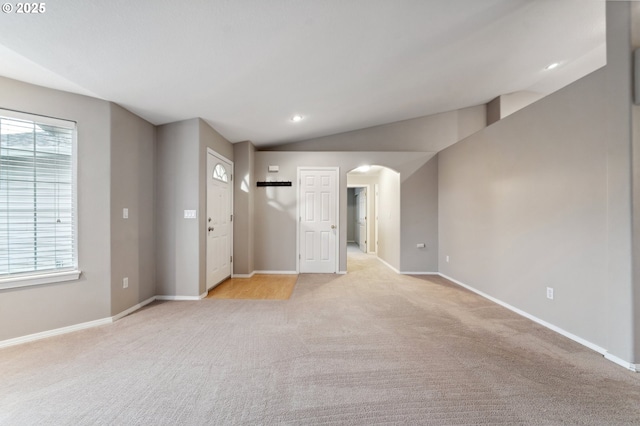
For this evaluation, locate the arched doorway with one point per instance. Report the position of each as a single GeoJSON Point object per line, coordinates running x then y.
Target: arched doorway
{"type": "Point", "coordinates": [373, 214]}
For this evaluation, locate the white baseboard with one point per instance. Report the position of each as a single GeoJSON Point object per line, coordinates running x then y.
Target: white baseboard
{"type": "Point", "coordinates": [389, 266]}
{"type": "Point", "coordinates": [90, 324]}
{"type": "Point", "coordinates": [633, 367]}
{"type": "Point", "coordinates": [341, 272]}
{"type": "Point", "coordinates": [55, 332]}
{"type": "Point", "coordinates": [419, 273]}
{"type": "Point", "coordinates": [276, 272]}
{"type": "Point", "coordinates": [243, 275]}
{"type": "Point", "coordinates": [181, 298]}
{"type": "Point", "coordinates": [133, 309]}
{"type": "Point", "coordinates": [588, 344]}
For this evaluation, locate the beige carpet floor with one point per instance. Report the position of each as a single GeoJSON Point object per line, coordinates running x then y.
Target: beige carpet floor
{"type": "Point", "coordinates": [369, 347]}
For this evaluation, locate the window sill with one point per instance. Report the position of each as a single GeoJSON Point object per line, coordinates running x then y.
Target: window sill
{"type": "Point", "coordinates": [39, 279]}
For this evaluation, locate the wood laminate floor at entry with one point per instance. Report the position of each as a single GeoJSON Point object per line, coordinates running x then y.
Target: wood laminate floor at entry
{"type": "Point", "coordinates": [260, 287]}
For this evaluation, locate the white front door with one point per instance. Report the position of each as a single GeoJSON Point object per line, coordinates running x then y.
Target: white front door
{"type": "Point", "coordinates": [362, 219]}
{"type": "Point", "coordinates": [218, 226]}
{"type": "Point", "coordinates": [318, 232]}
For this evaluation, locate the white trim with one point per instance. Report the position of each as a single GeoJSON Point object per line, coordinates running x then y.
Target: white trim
{"type": "Point", "coordinates": [55, 332]}
{"type": "Point", "coordinates": [588, 344]}
{"type": "Point", "coordinates": [180, 298]}
{"type": "Point", "coordinates": [376, 207]}
{"type": "Point", "coordinates": [243, 275]}
{"type": "Point", "coordinates": [133, 309]}
{"type": "Point", "coordinates": [44, 119]}
{"type": "Point", "coordinates": [633, 367]}
{"type": "Point", "coordinates": [527, 315]}
{"type": "Point", "coordinates": [387, 265]}
{"type": "Point", "coordinates": [419, 273]}
{"type": "Point", "coordinates": [338, 227]}
{"type": "Point", "coordinates": [38, 279]}
{"type": "Point", "coordinates": [276, 272]}
{"type": "Point", "coordinates": [220, 156]}
{"type": "Point", "coordinates": [342, 272]}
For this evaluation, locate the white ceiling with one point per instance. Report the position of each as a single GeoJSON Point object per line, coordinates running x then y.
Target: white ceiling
{"type": "Point", "coordinates": [247, 66]}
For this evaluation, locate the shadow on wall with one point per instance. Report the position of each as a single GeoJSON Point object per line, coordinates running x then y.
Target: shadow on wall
{"type": "Point", "coordinates": [282, 206]}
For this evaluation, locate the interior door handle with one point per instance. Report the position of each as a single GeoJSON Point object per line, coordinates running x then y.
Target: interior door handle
{"type": "Point", "coordinates": [333, 227]}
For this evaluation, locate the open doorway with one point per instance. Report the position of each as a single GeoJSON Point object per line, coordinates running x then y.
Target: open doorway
{"type": "Point", "coordinates": [358, 218]}
{"type": "Point", "coordinates": [373, 214]}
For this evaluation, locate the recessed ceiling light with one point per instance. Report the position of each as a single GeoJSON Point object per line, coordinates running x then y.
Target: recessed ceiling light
{"type": "Point", "coordinates": [552, 66]}
{"type": "Point", "coordinates": [296, 118]}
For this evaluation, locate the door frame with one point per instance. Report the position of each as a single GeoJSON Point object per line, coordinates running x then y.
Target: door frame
{"type": "Point", "coordinates": [368, 187]}
{"type": "Point", "coordinates": [337, 199]}
{"type": "Point", "coordinates": [376, 208]}
{"type": "Point", "coordinates": [204, 219]}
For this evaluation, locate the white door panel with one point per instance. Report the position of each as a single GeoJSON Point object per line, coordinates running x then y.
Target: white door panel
{"type": "Point", "coordinates": [318, 220]}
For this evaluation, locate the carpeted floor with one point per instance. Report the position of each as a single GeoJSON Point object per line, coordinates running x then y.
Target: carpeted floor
{"type": "Point", "coordinates": [369, 347]}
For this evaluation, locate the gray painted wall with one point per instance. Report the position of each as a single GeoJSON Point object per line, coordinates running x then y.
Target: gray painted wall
{"type": "Point", "coordinates": [181, 168]}
{"type": "Point", "coordinates": [178, 189]}
{"type": "Point", "coordinates": [528, 203]}
{"type": "Point", "coordinates": [132, 187]}
{"type": "Point", "coordinates": [275, 207]}
{"type": "Point", "coordinates": [243, 192]}
{"type": "Point", "coordinates": [617, 100]}
{"type": "Point", "coordinates": [419, 219]}
{"type": "Point", "coordinates": [635, 150]}
{"type": "Point", "coordinates": [35, 309]}
{"type": "Point", "coordinates": [431, 133]}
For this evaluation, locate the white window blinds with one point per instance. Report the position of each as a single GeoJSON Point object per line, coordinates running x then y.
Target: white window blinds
{"type": "Point", "coordinates": [37, 195]}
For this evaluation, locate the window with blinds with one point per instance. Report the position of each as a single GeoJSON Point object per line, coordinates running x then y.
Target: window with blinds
{"type": "Point", "coordinates": [37, 196]}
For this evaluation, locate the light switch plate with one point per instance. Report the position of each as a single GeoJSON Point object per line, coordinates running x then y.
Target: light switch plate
{"type": "Point", "coordinates": [190, 214]}
{"type": "Point", "coordinates": [125, 213]}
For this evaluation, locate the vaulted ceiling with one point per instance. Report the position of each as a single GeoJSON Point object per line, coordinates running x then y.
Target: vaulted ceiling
{"type": "Point", "coordinates": [248, 66]}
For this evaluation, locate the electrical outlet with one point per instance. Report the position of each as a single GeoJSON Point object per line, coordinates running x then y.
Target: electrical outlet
{"type": "Point", "coordinates": [447, 259]}
{"type": "Point", "coordinates": [420, 245]}
{"type": "Point", "coordinates": [550, 293]}
{"type": "Point", "coordinates": [125, 282]}
{"type": "Point", "coordinates": [125, 213]}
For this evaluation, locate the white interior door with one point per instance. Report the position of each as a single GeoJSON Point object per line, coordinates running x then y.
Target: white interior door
{"type": "Point", "coordinates": [362, 219]}
{"type": "Point", "coordinates": [318, 232]}
{"type": "Point", "coordinates": [218, 227]}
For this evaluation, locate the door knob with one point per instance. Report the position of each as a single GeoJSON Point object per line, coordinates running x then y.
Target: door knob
{"type": "Point", "coordinates": [210, 228]}
{"type": "Point", "coordinates": [333, 227]}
